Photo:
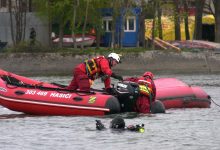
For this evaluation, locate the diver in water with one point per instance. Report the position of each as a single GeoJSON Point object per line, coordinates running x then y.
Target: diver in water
{"type": "Point", "coordinates": [118, 123]}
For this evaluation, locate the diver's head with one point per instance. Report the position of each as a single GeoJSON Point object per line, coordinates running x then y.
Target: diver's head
{"type": "Point", "coordinates": [117, 123]}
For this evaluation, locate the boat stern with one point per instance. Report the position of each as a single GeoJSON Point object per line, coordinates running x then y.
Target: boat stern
{"type": "Point", "coordinates": [113, 105]}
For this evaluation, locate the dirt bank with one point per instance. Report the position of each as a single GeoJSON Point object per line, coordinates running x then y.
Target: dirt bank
{"type": "Point", "coordinates": [155, 61]}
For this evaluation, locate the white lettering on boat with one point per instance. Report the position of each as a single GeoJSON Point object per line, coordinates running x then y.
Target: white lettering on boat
{"type": "Point", "coordinates": [30, 92]}
{"type": "Point", "coordinates": [3, 89]}
{"type": "Point", "coordinates": [60, 95]}
{"type": "Point", "coordinates": [41, 93]}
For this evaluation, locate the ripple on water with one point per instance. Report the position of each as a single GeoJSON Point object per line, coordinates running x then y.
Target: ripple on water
{"type": "Point", "coordinates": [190, 129]}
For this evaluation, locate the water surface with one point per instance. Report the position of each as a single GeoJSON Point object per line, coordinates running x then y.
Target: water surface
{"type": "Point", "coordinates": [178, 129]}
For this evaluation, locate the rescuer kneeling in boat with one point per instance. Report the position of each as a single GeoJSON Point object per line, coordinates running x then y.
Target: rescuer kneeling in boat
{"type": "Point", "coordinates": [95, 68]}
{"type": "Point", "coordinates": [147, 92]}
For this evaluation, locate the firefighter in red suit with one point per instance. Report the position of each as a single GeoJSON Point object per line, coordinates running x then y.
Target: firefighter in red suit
{"type": "Point", "coordinates": [95, 68]}
{"type": "Point", "coordinates": [147, 92]}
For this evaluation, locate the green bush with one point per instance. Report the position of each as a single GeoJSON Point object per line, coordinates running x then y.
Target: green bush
{"type": "Point", "coordinates": [26, 47]}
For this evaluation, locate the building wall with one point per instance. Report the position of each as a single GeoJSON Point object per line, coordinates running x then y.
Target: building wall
{"type": "Point", "coordinates": [41, 28]}
{"type": "Point", "coordinates": [129, 38]}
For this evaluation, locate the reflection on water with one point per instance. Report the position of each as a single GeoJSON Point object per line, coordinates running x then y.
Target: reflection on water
{"type": "Point", "coordinates": [11, 116]}
{"type": "Point", "coordinates": [178, 129]}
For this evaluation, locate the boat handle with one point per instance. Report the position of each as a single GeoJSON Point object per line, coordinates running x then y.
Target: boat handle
{"type": "Point", "coordinates": [19, 92]}
{"type": "Point", "coordinates": [77, 98]}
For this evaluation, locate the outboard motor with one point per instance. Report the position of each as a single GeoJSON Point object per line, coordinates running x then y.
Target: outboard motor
{"type": "Point", "coordinates": [127, 94]}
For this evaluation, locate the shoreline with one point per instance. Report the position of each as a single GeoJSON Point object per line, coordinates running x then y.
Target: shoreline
{"type": "Point", "coordinates": [159, 62]}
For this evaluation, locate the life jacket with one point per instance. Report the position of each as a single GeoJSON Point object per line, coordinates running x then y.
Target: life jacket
{"type": "Point", "coordinates": [145, 86]}
{"type": "Point", "coordinates": [93, 67]}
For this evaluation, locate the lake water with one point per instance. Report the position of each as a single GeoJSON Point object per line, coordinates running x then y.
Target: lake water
{"type": "Point", "coordinates": [178, 129]}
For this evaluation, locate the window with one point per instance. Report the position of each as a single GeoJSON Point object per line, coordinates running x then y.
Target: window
{"type": "Point", "coordinates": [130, 24]}
{"type": "Point", "coordinates": [3, 3]}
{"type": "Point", "coordinates": [107, 24]}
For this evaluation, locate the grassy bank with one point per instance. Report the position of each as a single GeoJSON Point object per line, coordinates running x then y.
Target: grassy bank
{"type": "Point", "coordinates": [38, 48]}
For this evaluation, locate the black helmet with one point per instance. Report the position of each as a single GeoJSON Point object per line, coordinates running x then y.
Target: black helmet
{"type": "Point", "coordinates": [117, 123]}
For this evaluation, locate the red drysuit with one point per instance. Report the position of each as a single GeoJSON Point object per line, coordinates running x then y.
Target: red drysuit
{"type": "Point", "coordinates": [143, 102]}
{"type": "Point", "coordinates": [91, 70]}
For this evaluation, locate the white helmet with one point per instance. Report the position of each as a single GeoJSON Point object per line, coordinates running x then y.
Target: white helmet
{"type": "Point", "coordinates": [114, 56]}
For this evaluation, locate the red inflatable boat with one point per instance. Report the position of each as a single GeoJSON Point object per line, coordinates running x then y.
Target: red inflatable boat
{"type": "Point", "coordinates": [30, 96]}
{"type": "Point", "coordinates": [177, 94]}
{"type": "Point", "coordinates": [33, 97]}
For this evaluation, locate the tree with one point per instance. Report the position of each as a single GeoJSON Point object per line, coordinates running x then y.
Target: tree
{"type": "Point", "coordinates": [116, 5]}
{"type": "Point", "coordinates": [186, 19]}
{"type": "Point", "coordinates": [142, 23]}
{"type": "Point", "coordinates": [217, 21]}
{"type": "Point", "coordinates": [95, 18]}
{"type": "Point", "coordinates": [45, 12]}
{"type": "Point", "coordinates": [50, 4]}
{"type": "Point", "coordinates": [18, 11]}
{"type": "Point", "coordinates": [75, 6]}
{"type": "Point", "coordinates": [159, 14]}
{"type": "Point", "coordinates": [154, 23]}
{"type": "Point", "coordinates": [62, 12]}
{"type": "Point", "coordinates": [148, 11]}
{"type": "Point", "coordinates": [177, 20]}
{"type": "Point", "coordinates": [55, 11]}
{"type": "Point", "coordinates": [85, 22]}
{"type": "Point", "coordinates": [198, 19]}
{"type": "Point", "coordinates": [124, 12]}
{"type": "Point", "coordinates": [208, 7]}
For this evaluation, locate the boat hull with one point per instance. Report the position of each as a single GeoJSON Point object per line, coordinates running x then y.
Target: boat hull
{"type": "Point", "coordinates": [68, 40]}
{"type": "Point", "coordinates": [45, 108]}
{"type": "Point", "coordinates": [177, 94]}
{"type": "Point", "coordinates": [53, 100]}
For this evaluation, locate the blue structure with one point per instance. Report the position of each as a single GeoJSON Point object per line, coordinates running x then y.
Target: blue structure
{"type": "Point", "coordinates": [130, 25]}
